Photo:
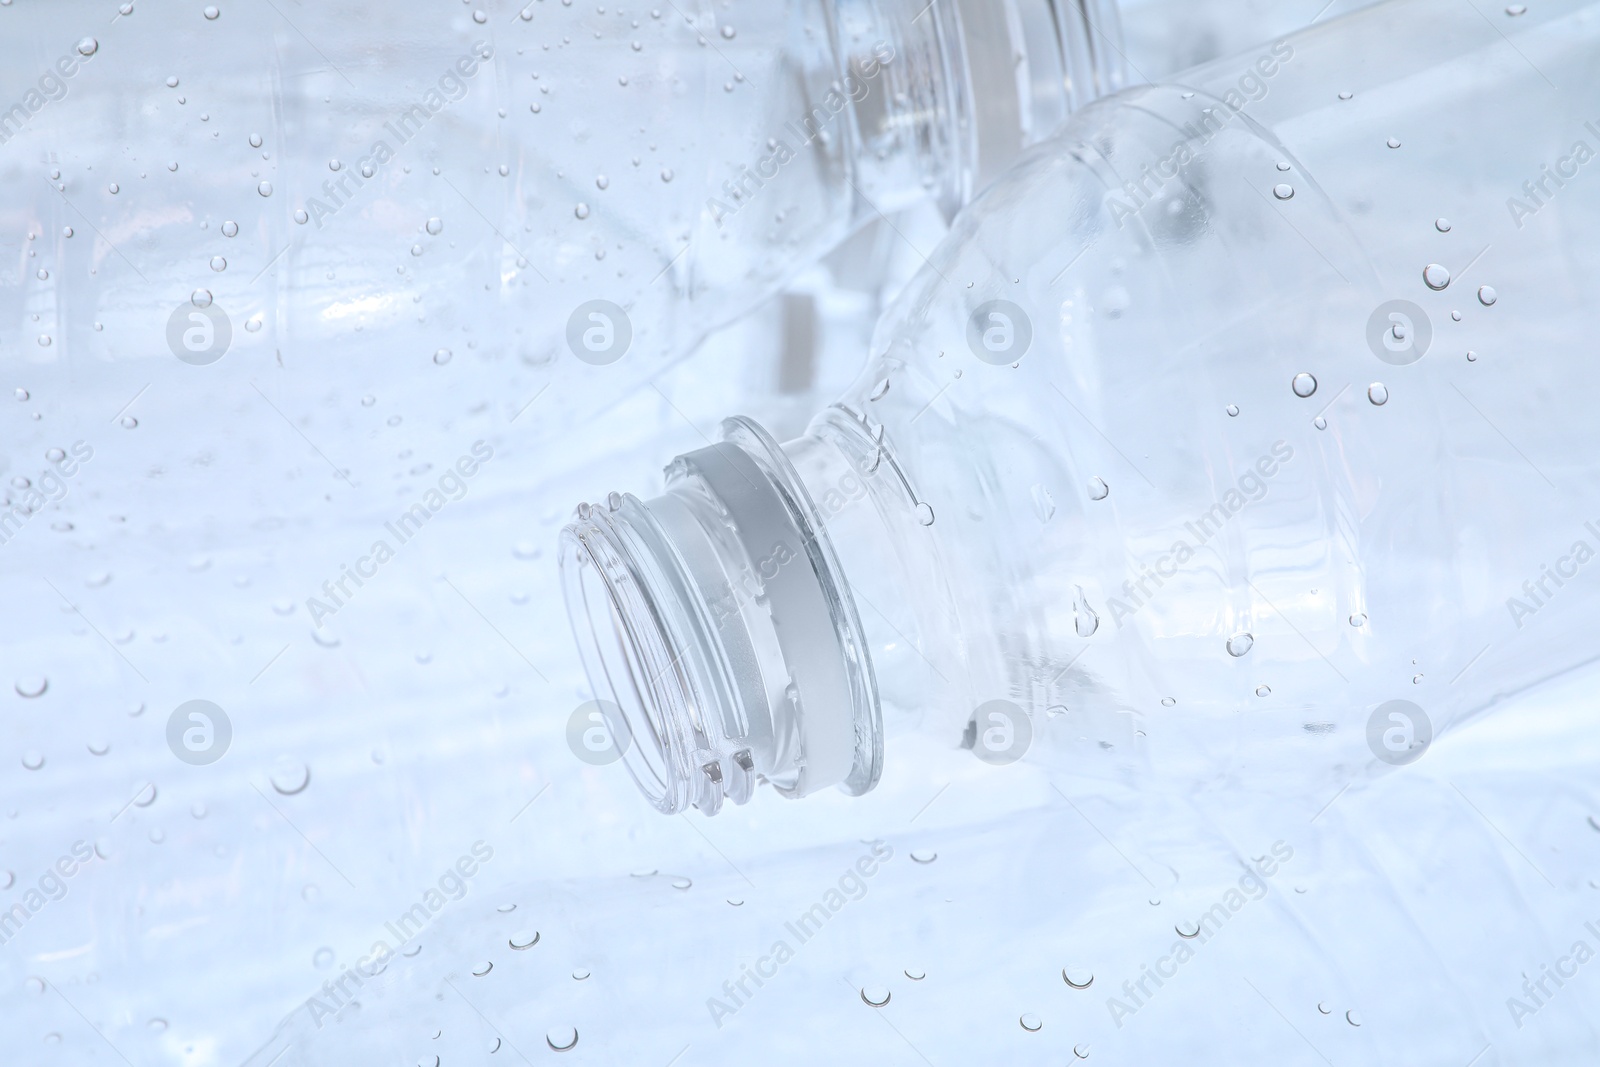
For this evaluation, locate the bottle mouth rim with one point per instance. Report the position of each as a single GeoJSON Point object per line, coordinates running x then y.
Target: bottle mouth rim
{"type": "Point", "coordinates": [627, 649]}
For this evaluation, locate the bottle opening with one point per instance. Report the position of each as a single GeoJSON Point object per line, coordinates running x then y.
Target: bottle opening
{"type": "Point", "coordinates": [717, 623]}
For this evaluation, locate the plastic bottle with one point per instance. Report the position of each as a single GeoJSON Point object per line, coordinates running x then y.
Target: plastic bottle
{"type": "Point", "coordinates": [1253, 404]}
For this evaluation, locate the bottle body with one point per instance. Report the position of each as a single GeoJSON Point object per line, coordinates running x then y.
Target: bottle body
{"type": "Point", "coordinates": [1185, 446]}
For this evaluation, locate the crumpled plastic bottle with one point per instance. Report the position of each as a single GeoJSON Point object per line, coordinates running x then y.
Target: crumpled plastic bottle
{"type": "Point", "coordinates": [1223, 437]}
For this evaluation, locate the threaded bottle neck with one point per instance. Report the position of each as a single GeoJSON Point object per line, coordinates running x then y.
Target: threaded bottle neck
{"type": "Point", "coordinates": [715, 619]}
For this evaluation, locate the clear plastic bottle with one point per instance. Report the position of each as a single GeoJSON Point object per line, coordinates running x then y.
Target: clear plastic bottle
{"type": "Point", "coordinates": [542, 183]}
{"type": "Point", "coordinates": [1254, 403]}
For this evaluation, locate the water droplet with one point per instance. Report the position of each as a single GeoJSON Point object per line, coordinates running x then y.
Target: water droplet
{"type": "Point", "coordinates": [916, 974]}
{"type": "Point", "coordinates": [582, 211]}
{"type": "Point", "coordinates": [1512, 10]}
{"type": "Point", "coordinates": [146, 796]}
{"type": "Point", "coordinates": [1030, 1022]}
{"type": "Point", "coordinates": [482, 968]}
{"type": "Point", "coordinates": [442, 356]}
{"type": "Point", "coordinates": [265, 188]}
{"type": "Point", "coordinates": [666, 174]}
{"type": "Point", "coordinates": [1044, 505]}
{"type": "Point", "coordinates": [879, 390]}
{"type": "Point", "coordinates": [561, 1038]}
{"type": "Point", "coordinates": [682, 883]}
{"type": "Point", "coordinates": [20, 393]}
{"type": "Point", "coordinates": [728, 32]}
{"type": "Point", "coordinates": [1435, 276]}
{"type": "Point", "coordinates": [1487, 296]}
{"type": "Point", "coordinates": [1394, 142]}
{"type": "Point", "coordinates": [737, 902]}
{"type": "Point", "coordinates": [44, 340]}
{"type": "Point", "coordinates": [1240, 643]}
{"type": "Point", "coordinates": [88, 46]}
{"type": "Point", "coordinates": [1098, 489]}
{"type": "Point", "coordinates": [925, 514]}
{"type": "Point", "coordinates": [31, 686]}
{"type": "Point", "coordinates": [1263, 691]}
{"type": "Point", "coordinates": [1187, 929]}
{"type": "Point", "coordinates": [875, 996]}
{"type": "Point", "coordinates": [230, 229]}
{"type": "Point", "coordinates": [218, 263]}
{"type": "Point", "coordinates": [157, 1024]}
{"type": "Point", "coordinates": [1085, 620]}
{"type": "Point", "coordinates": [290, 777]}
{"type": "Point", "coordinates": [1378, 393]}
{"type": "Point", "coordinates": [480, 17]}
{"type": "Point", "coordinates": [129, 422]}
{"type": "Point", "coordinates": [66, 231]}
{"type": "Point", "coordinates": [211, 12]}
{"type": "Point", "coordinates": [1303, 385]}
{"type": "Point", "coordinates": [368, 401]}
{"type": "Point", "coordinates": [923, 855]}
{"type": "Point", "coordinates": [524, 940]}
{"type": "Point", "coordinates": [1352, 1017]}
{"type": "Point", "coordinates": [1320, 423]}
{"type": "Point", "coordinates": [435, 226]}
{"type": "Point", "coordinates": [1345, 94]}
{"type": "Point", "coordinates": [580, 975]}
{"type": "Point", "coordinates": [1233, 411]}
{"type": "Point", "coordinates": [1077, 977]}
{"type": "Point", "coordinates": [1168, 702]}
{"type": "Point", "coordinates": [1358, 619]}
{"type": "Point", "coordinates": [602, 182]}
{"type": "Point", "coordinates": [322, 958]}
{"type": "Point", "coordinates": [1442, 225]}
{"type": "Point", "coordinates": [33, 759]}
{"type": "Point", "coordinates": [255, 140]}
{"type": "Point", "coordinates": [1283, 191]}
{"type": "Point", "coordinates": [1081, 1050]}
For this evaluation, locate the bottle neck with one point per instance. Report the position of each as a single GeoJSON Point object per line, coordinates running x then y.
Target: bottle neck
{"type": "Point", "coordinates": [718, 630]}
{"type": "Point", "coordinates": [964, 86]}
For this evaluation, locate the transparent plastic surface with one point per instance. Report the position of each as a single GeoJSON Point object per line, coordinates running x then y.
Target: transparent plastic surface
{"type": "Point", "coordinates": [1211, 434]}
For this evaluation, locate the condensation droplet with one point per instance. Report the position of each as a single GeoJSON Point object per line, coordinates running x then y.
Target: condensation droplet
{"type": "Point", "coordinates": [230, 229]}
{"type": "Point", "coordinates": [290, 777]}
{"type": "Point", "coordinates": [1442, 225]}
{"type": "Point", "coordinates": [1487, 296]}
{"type": "Point", "coordinates": [33, 759]}
{"type": "Point", "coordinates": [1240, 643]}
{"type": "Point", "coordinates": [1394, 142]}
{"type": "Point", "coordinates": [525, 940]}
{"type": "Point", "coordinates": [265, 188]}
{"type": "Point", "coordinates": [218, 263]}
{"type": "Point", "coordinates": [435, 226]}
{"type": "Point", "coordinates": [1303, 385]}
{"type": "Point", "coordinates": [1358, 619]}
{"type": "Point", "coordinates": [582, 211]}
{"type": "Point", "coordinates": [875, 996]}
{"type": "Point", "coordinates": [1435, 276]}
{"type": "Point", "coordinates": [482, 968]}
{"type": "Point", "coordinates": [1085, 620]}
{"type": "Point", "coordinates": [1233, 411]}
{"type": "Point", "coordinates": [1283, 191]}
{"type": "Point", "coordinates": [1263, 691]}
{"type": "Point", "coordinates": [1077, 977]}
{"type": "Point", "coordinates": [1030, 1022]}
{"type": "Point", "coordinates": [211, 12]}
{"type": "Point", "coordinates": [561, 1038]}
{"type": "Point", "coordinates": [1187, 929]}
{"type": "Point", "coordinates": [32, 686]}
{"type": "Point", "coordinates": [923, 855]}
{"type": "Point", "coordinates": [88, 46]}
{"type": "Point", "coordinates": [879, 390]}
{"type": "Point", "coordinates": [442, 356]}
{"type": "Point", "coordinates": [916, 974]}
{"type": "Point", "coordinates": [925, 514]}
{"type": "Point", "coordinates": [1098, 489]}
{"type": "Point", "coordinates": [1378, 393]}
